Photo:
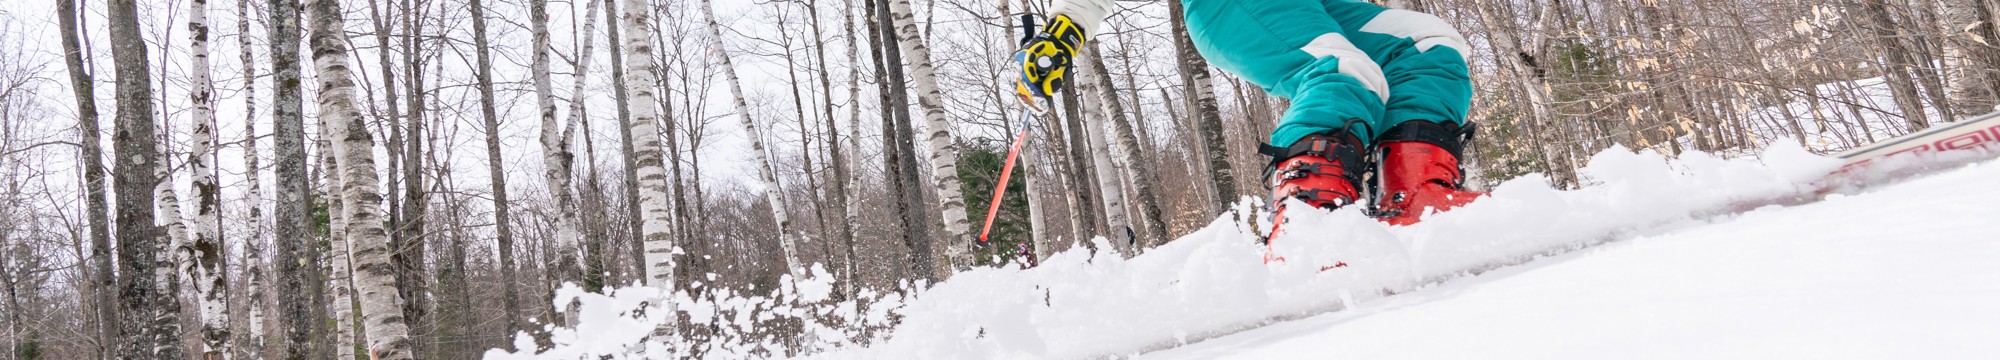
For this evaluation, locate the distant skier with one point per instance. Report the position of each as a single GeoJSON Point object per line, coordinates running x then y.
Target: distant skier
{"type": "Point", "coordinates": [1025, 257]}
{"type": "Point", "coordinates": [1360, 77]}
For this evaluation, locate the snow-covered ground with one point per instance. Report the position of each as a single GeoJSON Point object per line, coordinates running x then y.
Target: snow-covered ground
{"type": "Point", "coordinates": [1649, 254]}
{"type": "Point", "coordinates": [1909, 271]}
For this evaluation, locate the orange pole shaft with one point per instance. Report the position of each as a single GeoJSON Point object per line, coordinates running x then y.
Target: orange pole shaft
{"type": "Point", "coordinates": [1000, 189]}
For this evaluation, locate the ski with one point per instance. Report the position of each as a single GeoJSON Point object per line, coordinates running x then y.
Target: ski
{"type": "Point", "coordinates": [1978, 133]}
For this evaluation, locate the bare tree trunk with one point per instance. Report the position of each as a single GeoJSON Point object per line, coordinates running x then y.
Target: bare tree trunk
{"type": "Point", "coordinates": [295, 265]}
{"type": "Point", "coordinates": [103, 279]}
{"type": "Point", "coordinates": [152, 315]}
{"type": "Point", "coordinates": [340, 274]}
{"type": "Point", "coordinates": [556, 155]}
{"type": "Point", "coordinates": [843, 224]}
{"type": "Point", "coordinates": [898, 148]}
{"type": "Point", "coordinates": [1137, 164]}
{"type": "Point", "coordinates": [1108, 180]}
{"type": "Point", "coordinates": [167, 212]}
{"type": "Point", "coordinates": [1038, 232]}
{"type": "Point", "coordinates": [374, 275]}
{"type": "Point", "coordinates": [502, 214]}
{"type": "Point", "coordinates": [1207, 117]}
{"type": "Point", "coordinates": [647, 154]}
{"type": "Point", "coordinates": [621, 97]}
{"type": "Point", "coordinates": [852, 170]}
{"type": "Point", "coordinates": [410, 239]}
{"type": "Point", "coordinates": [766, 170]}
{"type": "Point", "coordinates": [943, 151]}
{"type": "Point", "coordinates": [209, 271]}
{"type": "Point", "coordinates": [1084, 216]}
{"type": "Point", "coordinates": [805, 148]}
{"type": "Point", "coordinates": [562, 155]}
{"type": "Point", "coordinates": [251, 346]}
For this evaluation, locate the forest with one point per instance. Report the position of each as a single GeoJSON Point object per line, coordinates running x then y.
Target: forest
{"type": "Point", "coordinates": [397, 179]}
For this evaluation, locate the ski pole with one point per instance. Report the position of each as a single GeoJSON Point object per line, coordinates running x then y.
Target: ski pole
{"type": "Point", "coordinates": [1006, 171]}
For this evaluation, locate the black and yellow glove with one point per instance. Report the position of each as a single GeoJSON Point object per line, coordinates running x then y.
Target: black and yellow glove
{"type": "Point", "coordinates": [1045, 58]}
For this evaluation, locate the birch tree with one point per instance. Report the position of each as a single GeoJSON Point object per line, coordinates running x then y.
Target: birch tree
{"type": "Point", "coordinates": [374, 276]}
{"type": "Point", "coordinates": [151, 314]}
{"type": "Point", "coordinates": [621, 97]}
{"type": "Point", "coordinates": [1207, 117]}
{"type": "Point", "coordinates": [1136, 164]}
{"type": "Point", "coordinates": [340, 266]}
{"type": "Point", "coordinates": [943, 151]}
{"type": "Point", "coordinates": [209, 271]}
{"type": "Point", "coordinates": [252, 344]}
{"type": "Point", "coordinates": [1078, 172]}
{"type": "Point", "coordinates": [558, 154]}
{"type": "Point", "coordinates": [851, 199]}
{"type": "Point", "coordinates": [766, 171]}
{"type": "Point", "coordinates": [1109, 183]}
{"type": "Point", "coordinates": [897, 146]}
{"type": "Point", "coordinates": [656, 218]}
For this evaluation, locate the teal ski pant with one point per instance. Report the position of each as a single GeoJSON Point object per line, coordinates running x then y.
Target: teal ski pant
{"type": "Point", "coordinates": [1343, 63]}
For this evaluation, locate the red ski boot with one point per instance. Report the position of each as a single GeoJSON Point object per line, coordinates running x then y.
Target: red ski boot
{"type": "Point", "coordinates": [1323, 171]}
{"type": "Point", "coordinates": [1418, 175]}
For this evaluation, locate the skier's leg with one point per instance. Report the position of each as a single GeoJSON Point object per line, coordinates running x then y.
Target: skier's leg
{"type": "Point", "coordinates": [1296, 50]}
{"type": "Point", "coordinates": [1421, 135]}
{"type": "Point", "coordinates": [1422, 57]}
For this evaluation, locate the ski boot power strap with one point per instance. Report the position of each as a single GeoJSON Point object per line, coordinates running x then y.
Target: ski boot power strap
{"type": "Point", "coordinates": [1324, 170]}
{"type": "Point", "coordinates": [1449, 136]}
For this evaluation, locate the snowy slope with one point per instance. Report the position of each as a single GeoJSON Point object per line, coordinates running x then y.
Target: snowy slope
{"type": "Point", "coordinates": [1212, 283]}
{"type": "Point", "coordinates": [1210, 288]}
{"type": "Point", "coordinates": [1906, 271]}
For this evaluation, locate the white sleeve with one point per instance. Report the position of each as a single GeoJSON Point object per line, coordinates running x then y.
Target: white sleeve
{"type": "Point", "coordinates": [1086, 13]}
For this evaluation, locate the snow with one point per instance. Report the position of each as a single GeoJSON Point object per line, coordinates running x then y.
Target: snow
{"type": "Point", "coordinates": [1902, 272]}
{"type": "Point", "coordinates": [1763, 279]}
{"type": "Point", "coordinates": [1213, 282]}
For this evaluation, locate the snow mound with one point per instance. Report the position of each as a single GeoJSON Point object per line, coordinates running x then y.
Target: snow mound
{"type": "Point", "coordinates": [1214, 281]}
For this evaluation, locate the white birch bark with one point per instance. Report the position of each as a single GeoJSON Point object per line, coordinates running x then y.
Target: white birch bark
{"type": "Point", "coordinates": [1133, 162]}
{"type": "Point", "coordinates": [557, 156]}
{"type": "Point", "coordinates": [253, 269]}
{"type": "Point", "coordinates": [855, 179]}
{"type": "Point", "coordinates": [944, 153]}
{"type": "Point", "coordinates": [648, 156]}
{"type": "Point", "coordinates": [340, 268]}
{"type": "Point", "coordinates": [208, 270]}
{"type": "Point", "coordinates": [178, 260]}
{"type": "Point", "coordinates": [1109, 183]}
{"type": "Point", "coordinates": [1031, 169]}
{"type": "Point", "coordinates": [368, 241]}
{"type": "Point", "coordinates": [765, 169]}
{"type": "Point", "coordinates": [1203, 112]}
